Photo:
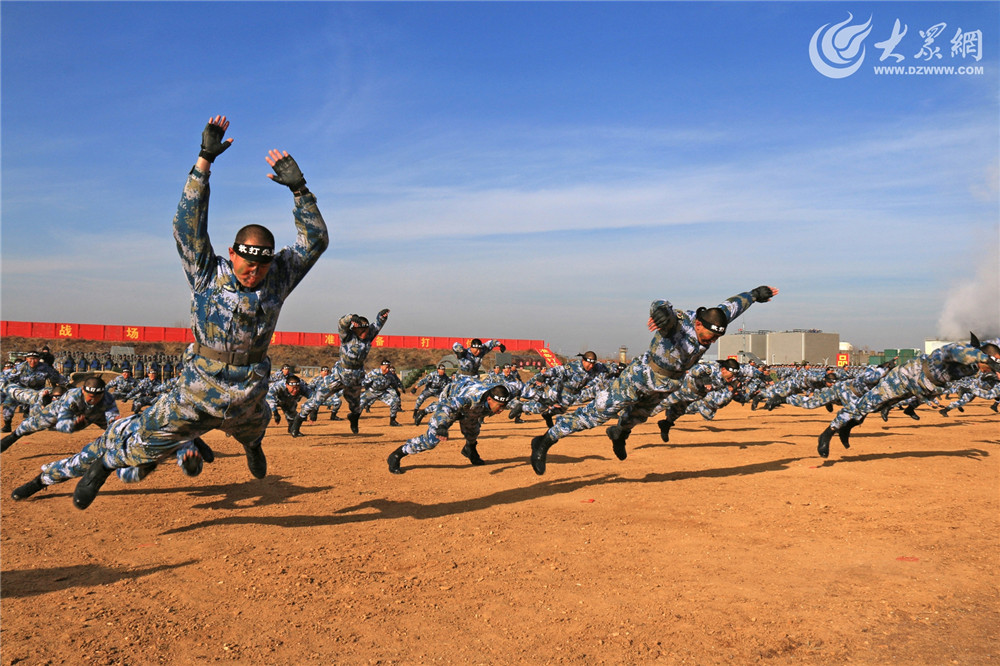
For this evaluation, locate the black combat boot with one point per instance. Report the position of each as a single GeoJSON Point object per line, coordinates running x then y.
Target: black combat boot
{"type": "Point", "coordinates": [6, 426]}
{"type": "Point", "coordinates": [548, 419]}
{"type": "Point", "coordinates": [418, 416]}
{"type": "Point", "coordinates": [539, 451]}
{"type": "Point", "coordinates": [88, 487]}
{"type": "Point", "coordinates": [911, 411]}
{"type": "Point", "coordinates": [256, 460]}
{"type": "Point", "coordinates": [28, 489]}
{"type": "Point", "coordinates": [295, 426]}
{"type": "Point", "coordinates": [823, 449]}
{"type": "Point", "coordinates": [8, 441]}
{"type": "Point", "coordinates": [665, 426]}
{"type": "Point", "coordinates": [394, 459]}
{"type": "Point", "coordinates": [618, 435]}
{"type": "Point", "coordinates": [393, 422]}
{"type": "Point", "coordinates": [353, 419]}
{"type": "Point", "coordinates": [470, 452]}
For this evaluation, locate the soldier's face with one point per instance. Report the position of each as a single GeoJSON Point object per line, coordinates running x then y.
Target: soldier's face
{"type": "Point", "coordinates": [92, 398]}
{"type": "Point", "coordinates": [495, 406]}
{"type": "Point", "coordinates": [475, 351]}
{"type": "Point", "coordinates": [293, 389]}
{"type": "Point", "coordinates": [706, 336]}
{"type": "Point", "coordinates": [33, 362]}
{"type": "Point", "coordinates": [248, 273]}
{"type": "Point", "coordinates": [440, 371]}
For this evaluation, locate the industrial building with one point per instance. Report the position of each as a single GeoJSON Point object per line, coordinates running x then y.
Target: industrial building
{"type": "Point", "coordinates": [782, 348]}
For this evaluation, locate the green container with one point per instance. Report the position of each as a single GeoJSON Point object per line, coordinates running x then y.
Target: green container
{"type": "Point", "coordinates": [890, 353]}
{"type": "Point", "coordinates": [876, 360]}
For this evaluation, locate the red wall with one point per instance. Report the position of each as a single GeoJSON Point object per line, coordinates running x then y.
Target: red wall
{"type": "Point", "coordinates": [119, 333]}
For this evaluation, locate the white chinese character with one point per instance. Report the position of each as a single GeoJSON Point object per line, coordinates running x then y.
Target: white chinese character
{"type": "Point", "coordinates": [926, 50]}
{"type": "Point", "coordinates": [888, 45]}
{"type": "Point", "coordinates": [968, 43]}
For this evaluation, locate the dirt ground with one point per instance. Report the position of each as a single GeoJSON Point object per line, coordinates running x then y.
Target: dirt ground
{"type": "Point", "coordinates": [734, 543]}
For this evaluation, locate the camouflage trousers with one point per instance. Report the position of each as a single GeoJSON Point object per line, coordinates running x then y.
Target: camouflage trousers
{"type": "Point", "coordinates": [902, 382]}
{"type": "Point", "coordinates": [836, 394]}
{"type": "Point", "coordinates": [76, 465]}
{"type": "Point", "coordinates": [469, 425]}
{"type": "Point", "coordinates": [391, 398]}
{"type": "Point", "coordinates": [426, 394]}
{"type": "Point", "coordinates": [632, 397]}
{"type": "Point", "coordinates": [340, 379]}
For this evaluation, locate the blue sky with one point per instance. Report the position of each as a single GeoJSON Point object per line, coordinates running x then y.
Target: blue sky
{"type": "Point", "coordinates": [512, 170]}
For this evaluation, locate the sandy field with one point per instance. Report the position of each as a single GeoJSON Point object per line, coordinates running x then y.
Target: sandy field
{"type": "Point", "coordinates": [732, 544]}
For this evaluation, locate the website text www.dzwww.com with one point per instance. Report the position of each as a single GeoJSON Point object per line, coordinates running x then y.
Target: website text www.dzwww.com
{"type": "Point", "coordinates": [924, 70]}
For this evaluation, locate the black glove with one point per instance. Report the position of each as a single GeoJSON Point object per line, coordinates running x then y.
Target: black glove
{"type": "Point", "coordinates": [762, 294]}
{"type": "Point", "coordinates": [287, 173]}
{"type": "Point", "coordinates": [502, 347]}
{"type": "Point", "coordinates": [665, 320]}
{"type": "Point", "coordinates": [212, 144]}
{"type": "Point", "coordinates": [383, 313]}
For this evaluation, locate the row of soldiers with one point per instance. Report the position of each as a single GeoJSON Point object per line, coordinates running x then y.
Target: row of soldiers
{"type": "Point", "coordinates": [467, 398]}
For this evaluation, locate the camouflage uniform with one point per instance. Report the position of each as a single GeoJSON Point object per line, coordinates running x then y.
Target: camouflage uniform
{"type": "Point", "coordinates": [460, 401]}
{"type": "Point", "coordinates": [841, 393]}
{"type": "Point", "coordinates": [649, 378]}
{"type": "Point", "coordinates": [382, 386]}
{"type": "Point", "coordinates": [227, 320]}
{"type": "Point", "coordinates": [145, 392]}
{"type": "Point", "coordinates": [922, 377]}
{"type": "Point", "coordinates": [121, 386]}
{"type": "Point", "coordinates": [468, 363]}
{"type": "Point", "coordinates": [279, 397]}
{"type": "Point", "coordinates": [33, 378]}
{"type": "Point", "coordinates": [433, 384]}
{"type": "Point", "coordinates": [70, 413]}
{"type": "Point", "coordinates": [348, 373]}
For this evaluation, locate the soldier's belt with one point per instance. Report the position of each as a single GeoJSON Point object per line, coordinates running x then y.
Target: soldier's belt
{"type": "Point", "coordinates": [229, 358]}
{"type": "Point", "coordinates": [664, 373]}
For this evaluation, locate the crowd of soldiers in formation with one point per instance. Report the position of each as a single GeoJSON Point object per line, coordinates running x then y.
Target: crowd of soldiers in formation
{"type": "Point", "coordinates": [43, 395]}
{"type": "Point", "coordinates": [237, 296]}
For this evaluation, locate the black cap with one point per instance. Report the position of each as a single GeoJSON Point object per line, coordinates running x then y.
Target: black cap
{"type": "Point", "coordinates": [714, 319]}
{"type": "Point", "coordinates": [499, 393]}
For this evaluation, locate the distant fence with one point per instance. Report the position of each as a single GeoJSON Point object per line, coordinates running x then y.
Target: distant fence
{"type": "Point", "coordinates": [125, 333]}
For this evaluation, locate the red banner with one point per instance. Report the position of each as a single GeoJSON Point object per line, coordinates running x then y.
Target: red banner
{"type": "Point", "coordinates": [128, 333]}
{"type": "Point", "coordinates": [550, 359]}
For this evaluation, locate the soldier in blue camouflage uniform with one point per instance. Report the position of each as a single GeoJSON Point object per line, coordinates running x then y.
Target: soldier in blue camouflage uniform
{"type": "Point", "coordinates": [695, 386]}
{"type": "Point", "coordinates": [843, 392]}
{"type": "Point", "coordinates": [234, 306]}
{"type": "Point", "coordinates": [567, 383]}
{"type": "Point", "coordinates": [466, 400]}
{"type": "Point", "coordinates": [925, 375]}
{"type": "Point", "coordinates": [356, 337]}
{"type": "Point", "coordinates": [982, 386]}
{"type": "Point", "coordinates": [383, 384]}
{"type": "Point", "coordinates": [122, 385]}
{"type": "Point", "coordinates": [283, 395]}
{"type": "Point", "coordinates": [801, 382]}
{"type": "Point", "coordinates": [78, 408]}
{"type": "Point", "coordinates": [333, 402]}
{"type": "Point", "coordinates": [146, 391]}
{"type": "Point", "coordinates": [279, 375]}
{"type": "Point", "coordinates": [32, 373]}
{"type": "Point", "coordinates": [680, 339]}
{"type": "Point", "coordinates": [433, 383]}
{"type": "Point", "coordinates": [470, 359]}
{"type": "Point", "coordinates": [190, 458]}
